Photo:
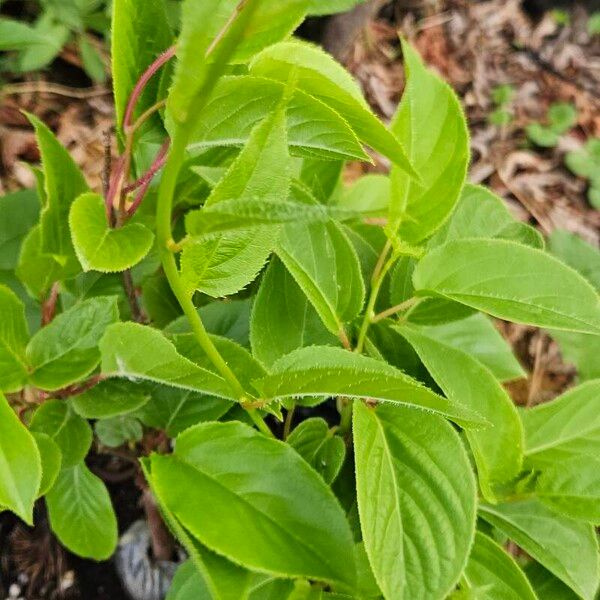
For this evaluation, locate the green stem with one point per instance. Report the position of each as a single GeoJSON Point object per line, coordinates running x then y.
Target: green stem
{"type": "Point", "coordinates": [410, 303]}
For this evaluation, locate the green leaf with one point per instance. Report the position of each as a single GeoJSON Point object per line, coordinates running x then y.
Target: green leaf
{"type": "Point", "coordinates": [243, 503]}
{"type": "Point", "coordinates": [581, 350]}
{"type": "Point", "coordinates": [66, 350]}
{"type": "Point", "coordinates": [319, 447]}
{"type": "Point", "coordinates": [187, 583]}
{"type": "Point", "coordinates": [71, 433]}
{"type": "Point", "coordinates": [544, 137]}
{"type": "Point", "coordinates": [201, 24]}
{"type": "Point", "coordinates": [51, 461]}
{"type": "Point", "coordinates": [100, 247]}
{"type": "Point", "coordinates": [416, 500]}
{"type": "Point", "coordinates": [431, 126]}
{"type": "Point", "coordinates": [562, 116]}
{"type": "Point", "coordinates": [324, 371]}
{"type": "Point", "coordinates": [324, 264]}
{"type": "Point", "coordinates": [14, 334]}
{"type": "Point", "coordinates": [141, 353]}
{"type": "Point", "coordinates": [91, 59]}
{"type": "Point", "coordinates": [498, 450]}
{"type": "Point", "coordinates": [481, 214]}
{"type": "Point", "coordinates": [577, 253]}
{"type": "Point", "coordinates": [494, 276]}
{"type": "Point", "coordinates": [116, 431]}
{"type": "Point", "coordinates": [495, 573]}
{"type": "Point", "coordinates": [140, 32]}
{"type": "Point", "coordinates": [323, 177]}
{"type": "Point", "coordinates": [222, 265]}
{"type": "Point", "coordinates": [237, 104]}
{"type": "Point", "coordinates": [63, 182]}
{"type": "Point", "coordinates": [110, 398]}
{"type": "Point", "coordinates": [319, 75]}
{"type": "Point", "coordinates": [328, 7]}
{"type": "Point", "coordinates": [477, 336]}
{"type": "Point", "coordinates": [564, 428]}
{"type": "Point", "coordinates": [19, 213]}
{"type": "Point", "coordinates": [572, 487]}
{"type": "Point", "coordinates": [551, 539]}
{"type": "Point", "coordinates": [81, 513]}
{"type": "Point", "coordinates": [546, 586]}
{"type": "Point", "coordinates": [20, 465]}
{"type": "Point", "coordinates": [282, 317]}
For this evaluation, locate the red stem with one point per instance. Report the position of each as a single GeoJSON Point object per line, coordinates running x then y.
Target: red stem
{"type": "Point", "coordinates": [164, 58]}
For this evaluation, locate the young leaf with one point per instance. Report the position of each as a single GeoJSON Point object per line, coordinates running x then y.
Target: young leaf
{"type": "Point", "coordinates": [19, 212]}
{"type": "Point", "coordinates": [140, 32]}
{"type": "Point", "coordinates": [324, 264]}
{"type": "Point", "coordinates": [67, 349]}
{"type": "Point", "coordinates": [238, 483]}
{"type": "Point", "coordinates": [14, 335]}
{"type": "Point", "coordinates": [188, 584]}
{"type": "Point", "coordinates": [224, 264]}
{"type": "Point", "coordinates": [81, 513]}
{"type": "Point", "coordinates": [576, 253]}
{"type": "Point", "coordinates": [282, 317]}
{"type": "Point", "coordinates": [498, 450]}
{"type": "Point", "coordinates": [582, 350]}
{"type": "Point", "coordinates": [136, 352]}
{"type": "Point", "coordinates": [416, 499]}
{"type": "Point", "coordinates": [572, 487]}
{"type": "Point", "coordinates": [324, 371]}
{"type": "Point", "coordinates": [110, 398]}
{"type": "Point", "coordinates": [319, 75]}
{"type": "Point", "coordinates": [63, 182]}
{"type": "Point", "coordinates": [71, 433]}
{"type": "Point", "coordinates": [319, 447]}
{"type": "Point", "coordinates": [98, 246]}
{"type": "Point", "coordinates": [494, 276]}
{"type": "Point", "coordinates": [550, 539]}
{"type": "Point", "coordinates": [494, 573]}
{"type": "Point", "coordinates": [51, 461]}
{"type": "Point", "coordinates": [237, 104]}
{"type": "Point", "coordinates": [20, 464]}
{"type": "Point", "coordinates": [481, 214]}
{"type": "Point", "coordinates": [546, 586]}
{"type": "Point", "coordinates": [477, 336]}
{"type": "Point", "coordinates": [115, 431]}
{"type": "Point", "coordinates": [564, 428]}
{"type": "Point", "coordinates": [431, 126]}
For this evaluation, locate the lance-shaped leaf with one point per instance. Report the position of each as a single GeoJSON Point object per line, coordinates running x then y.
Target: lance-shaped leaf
{"type": "Point", "coordinates": [564, 428]}
{"type": "Point", "coordinates": [481, 214]}
{"type": "Point", "coordinates": [203, 22]}
{"type": "Point", "coordinates": [495, 276]}
{"type": "Point", "coordinates": [324, 371]}
{"type": "Point", "coordinates": [416, 500]}
{"type": "Point", "coordinates": [551, 539]}
{"type": "Point", "coordinates": [324, 264]}
{"type": "Point", "coordinates": [572, 487]}
{"type": "Point", "coordinates": [67, 349]}
{"type": "Point", "coordinates": [282, 317]}
{"type": "Point", "coordinates": [81, 513]}
{"type": "Point", "coordinates": [243, 503]}
{"type": "Point", "coordinates": [137, 352]}
{"type": "Point", "coordinates": [319, 75]}
{"type": "Point", "coordinates": [14, 335]}
{"type": "Point", "coordinates": [237, 104]}
{"type": "Point", "coordinates": [20, 464]}
{"type": "Point", "coordinates": [100, 247]}
{"type": "Point", "coordinates": [498, 450]}
{"type": "Point", "coordinates": [51, 461]}
{"type": "Point", "coordinates": [63, 182]}
{"type": "Point", "coordinates": [494, 573]}
{"type": "Point", "coordinates": [431, 126]}
{"type": "Point", "coordinates": [140, 32]}
{"type": "Point", "coordinates": [19, 213]}
{"type": "Point", "coordinates": [546, 586]}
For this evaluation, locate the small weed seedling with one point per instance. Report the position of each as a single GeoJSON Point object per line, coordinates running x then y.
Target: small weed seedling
{"type": "Point", "coordinates": [502, 97]}
{"type": "Point", "coordinates": [306, 376]}
{"type": "Point", "coordinates": [561, 117]}
{"type": "Point", "coordinates": [586, 163]}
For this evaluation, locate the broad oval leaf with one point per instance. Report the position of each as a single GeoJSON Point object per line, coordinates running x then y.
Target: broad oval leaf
{"type": "Point", "coordinates": [116, 431]}
{"type": "Point", "coordinates": [98, 246]}
{"type": "Point", "coordinates": [325, 371]}
{"type": "Point", "coordinates": [20, 464]}
{"type": "Point", "coordinates": [493, 572]}
{"type": "Point", "coordinates": [81, 513]}
{"type": "Point", "coordinates": [496, 276]}
{"type": "Point", "coordinates": [577, 253]}
{"type": "Point", "coordinates": [564, 428]}
{"type": "Point", "coordinates": [551, 539]}
{"type": "Point", "coordinates": [14, 334]}
{"type": "Point", "coordinates": [66, 350]}
{"type": "Point", "coordinates": [431, 126]}
{"type": "Point", "coordinates": [243, 503]}
{"type": "Point", "coordinates": [110, 398]}
{"type": "Point", "coordinates": [498, 450]}
{"type": "Point", "coordinates": [416, 500]}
